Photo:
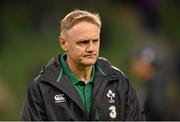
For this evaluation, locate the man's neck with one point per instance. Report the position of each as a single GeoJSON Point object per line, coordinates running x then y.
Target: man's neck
{"type": "Point", "coordinates": [83, 73]}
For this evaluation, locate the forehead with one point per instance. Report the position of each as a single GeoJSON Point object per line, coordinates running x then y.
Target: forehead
{"type": "Point", "coordinates": [85, 29]}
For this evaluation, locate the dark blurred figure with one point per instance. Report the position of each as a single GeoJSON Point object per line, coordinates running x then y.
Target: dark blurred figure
{"type": "Point", "coordinates": [154, 81]}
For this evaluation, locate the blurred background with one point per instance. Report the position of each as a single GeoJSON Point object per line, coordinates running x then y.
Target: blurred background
{"type": "Point", "coordinates": [140, 37]}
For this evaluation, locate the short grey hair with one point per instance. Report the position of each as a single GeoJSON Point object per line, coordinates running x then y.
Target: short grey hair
{"type": "Point", "coordinates": [77, 16]}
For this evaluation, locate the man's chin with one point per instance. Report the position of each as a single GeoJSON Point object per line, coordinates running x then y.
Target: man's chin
{"type": "Point", "coordinates": [89, 63]}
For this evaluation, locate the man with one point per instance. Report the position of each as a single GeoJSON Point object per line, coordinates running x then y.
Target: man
{"type": "Point", "coordinates": [150, 73]}
{"type": "Point", "coordinates": [79, 85]}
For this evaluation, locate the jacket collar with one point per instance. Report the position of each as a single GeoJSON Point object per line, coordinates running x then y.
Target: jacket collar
{"type": "Point", "coordinates": [53, 73]}
{"type": "Point", "coordinates": [53, 70]}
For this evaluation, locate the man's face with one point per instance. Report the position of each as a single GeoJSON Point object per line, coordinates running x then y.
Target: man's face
{"type": "Point", "coordinates": [82, 44]}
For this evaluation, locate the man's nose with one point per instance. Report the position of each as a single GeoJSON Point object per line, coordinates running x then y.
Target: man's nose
{"type": "Point", "coordinates": [90, 46]}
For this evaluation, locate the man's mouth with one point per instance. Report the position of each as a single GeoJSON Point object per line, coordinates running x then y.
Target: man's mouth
{"type": "Point", "coordinates": [91, 55]}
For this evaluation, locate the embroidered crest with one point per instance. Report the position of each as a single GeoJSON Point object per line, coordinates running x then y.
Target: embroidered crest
{"type": "Point", "coordinates": [111, 95]}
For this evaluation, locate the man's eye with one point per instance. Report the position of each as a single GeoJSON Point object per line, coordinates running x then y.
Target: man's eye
{"type": "Point", "coordinates": [83, 42]}
{"type": "Point", "coordinates": [95, 40]}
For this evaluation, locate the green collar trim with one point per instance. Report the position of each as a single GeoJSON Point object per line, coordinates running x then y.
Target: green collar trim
{"type": "Point", "coordinates": [100, 70]}
{"type": "Point", "coordinates": [60, 75]}
{"type": "Point", "coordinates": [66, 69]}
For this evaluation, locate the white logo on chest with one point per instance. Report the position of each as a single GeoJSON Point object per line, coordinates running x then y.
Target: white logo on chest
{"type": "Point", "coordinates": [59, 98]}
{"type": "Point", "coordinates": [111, 95]}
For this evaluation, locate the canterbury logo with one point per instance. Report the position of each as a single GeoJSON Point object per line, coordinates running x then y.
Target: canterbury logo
{"type": "Point", "coordinates": [59, 98]}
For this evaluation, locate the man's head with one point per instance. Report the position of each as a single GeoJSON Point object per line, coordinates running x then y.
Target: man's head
{"type": "Point", "coordinates": [77, 16]}
{"type": "Point", "coordinates": [80, 37]}
{"type": "Point", "coordinates": [143, 62]}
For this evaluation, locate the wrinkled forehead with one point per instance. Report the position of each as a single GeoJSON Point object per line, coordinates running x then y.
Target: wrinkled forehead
{"type": "Point", "coordinates": [84, 29]}
{"type": "Point", "coordinates": [84, 26]}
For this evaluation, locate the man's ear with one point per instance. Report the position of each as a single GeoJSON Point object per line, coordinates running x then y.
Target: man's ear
{"type": "Point", "coordinates": [62, 43]}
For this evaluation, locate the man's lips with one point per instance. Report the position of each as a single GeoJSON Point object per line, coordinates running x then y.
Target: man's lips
{"type": "Point", "coordinates": [91, 55]}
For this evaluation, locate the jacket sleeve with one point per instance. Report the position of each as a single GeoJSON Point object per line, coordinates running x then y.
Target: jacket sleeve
{"type": "Point", "coordinates": [33, 106]}
{"type": "Point", "coordinates": [133, 110]}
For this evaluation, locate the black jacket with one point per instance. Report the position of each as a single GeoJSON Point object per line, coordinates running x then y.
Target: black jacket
{"type": "Point", "coordinates": [51, 96]}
